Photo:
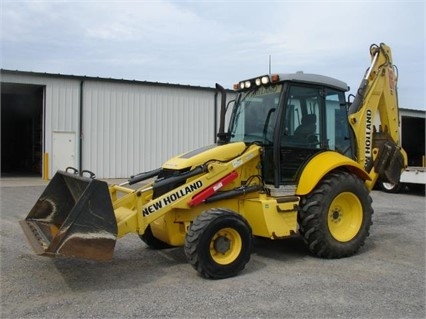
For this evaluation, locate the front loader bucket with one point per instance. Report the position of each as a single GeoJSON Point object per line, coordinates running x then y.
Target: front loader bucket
{"type": "Point", "coordinates": [73, 217]}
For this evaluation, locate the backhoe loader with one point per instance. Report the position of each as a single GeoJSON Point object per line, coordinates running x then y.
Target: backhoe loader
{"type": "Point", "coordinates": [297, 159]}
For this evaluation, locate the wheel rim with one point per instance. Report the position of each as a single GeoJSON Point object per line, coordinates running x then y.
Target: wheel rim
{"type": "Point", "coordinates": [388, 186]}
{"type": "Point", "coordinates": [225, 246]}
{"type": "Point", "coordinates": [345, 217]}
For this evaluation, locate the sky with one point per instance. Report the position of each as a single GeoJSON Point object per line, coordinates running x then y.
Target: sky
{"type": "Point", "coordinates": [201, 43]}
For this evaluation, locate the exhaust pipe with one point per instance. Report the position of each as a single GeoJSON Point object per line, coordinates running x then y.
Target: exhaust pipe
{"type": "Point", "coordinates": [223, 137]}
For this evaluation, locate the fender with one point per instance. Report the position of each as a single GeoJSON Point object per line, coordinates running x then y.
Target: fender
{"type": "Point", "coordinates": [323, 163]}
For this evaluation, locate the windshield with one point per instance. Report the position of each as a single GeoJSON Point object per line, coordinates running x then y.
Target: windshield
{"type": "Point", "coordinates": [254, 115]}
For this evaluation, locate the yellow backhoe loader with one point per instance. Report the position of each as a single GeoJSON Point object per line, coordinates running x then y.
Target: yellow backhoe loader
{"type": "Point", "coordinates": [297, 159]}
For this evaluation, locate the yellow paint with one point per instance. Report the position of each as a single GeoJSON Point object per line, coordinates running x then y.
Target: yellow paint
{"type": "Point", "coordinates": [323, 163]}
{"type": "Point", "coordinates": [380, 100]}
{"type": "Point", "coordinates": [269, 218]}
{"type": "Point", "coordinates": [45, 166]}
{"type": "Point", "coordinates": [226, 246]}
{"type": "Point", "coordinates": [222, 152]}
{"type": "Point", "coordinates": [126, 221]}
{"type": "Point", "coordinates": [344, 218]}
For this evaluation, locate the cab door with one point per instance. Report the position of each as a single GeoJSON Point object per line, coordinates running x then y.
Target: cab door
{"type": "Point", "coordinates": [301, 130]}
{"type": "Point", "coordinates": [313, 119]}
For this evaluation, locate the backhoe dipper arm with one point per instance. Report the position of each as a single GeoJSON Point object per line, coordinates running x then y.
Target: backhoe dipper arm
{"type": "Point", "coordinates": [377, 93]}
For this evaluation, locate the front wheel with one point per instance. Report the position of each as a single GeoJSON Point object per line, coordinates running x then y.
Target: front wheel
{"type": "Point", "coordinates": [219, 243]}
{"type": "Point", "coordinates": [335, 218]}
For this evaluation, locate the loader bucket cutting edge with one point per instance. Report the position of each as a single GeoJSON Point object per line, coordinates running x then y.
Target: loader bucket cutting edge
{"type": "Point", "coordinates": [73, 217]}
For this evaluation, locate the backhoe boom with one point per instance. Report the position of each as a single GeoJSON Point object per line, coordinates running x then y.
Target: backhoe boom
{"type": "Point", "coordinates": [376, 137]}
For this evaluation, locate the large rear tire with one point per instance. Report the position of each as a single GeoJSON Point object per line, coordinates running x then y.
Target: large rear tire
{"type": "Point", "coordinates": [389, 187]}
{"type": "Point", "coordinates": [219, 243]}
{"type": "Point", "coordinates": [336, 216]}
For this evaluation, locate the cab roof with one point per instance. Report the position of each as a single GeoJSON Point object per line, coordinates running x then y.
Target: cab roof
{"type": "Point", "coordinates": [314, 78]}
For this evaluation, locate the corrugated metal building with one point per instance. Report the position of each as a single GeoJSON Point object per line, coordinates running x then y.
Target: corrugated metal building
{"type": "Point", "coordinates": [115, 128]}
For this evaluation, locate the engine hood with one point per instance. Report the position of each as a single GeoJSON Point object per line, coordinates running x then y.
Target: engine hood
{"type": "Point", "coordinates": [202, 155]}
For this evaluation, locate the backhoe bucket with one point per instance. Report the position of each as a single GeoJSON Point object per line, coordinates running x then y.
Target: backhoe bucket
{"type": "Point", "coordinates": [73, 218]}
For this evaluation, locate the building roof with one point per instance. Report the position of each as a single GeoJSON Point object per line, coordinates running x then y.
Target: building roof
{"type": "Point", "coordinates": [84, 78]}
{"type": "Point", "coordinates": [298, 76]}
{"type": "Point", "coordinates": [412, 112]}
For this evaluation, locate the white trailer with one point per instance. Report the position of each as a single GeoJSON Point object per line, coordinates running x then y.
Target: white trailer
{"type": "Point", "coordinates": [413, 142]}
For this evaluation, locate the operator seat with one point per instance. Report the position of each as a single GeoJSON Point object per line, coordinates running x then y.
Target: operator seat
{"type": "Point", "coordinates": [307, 127]}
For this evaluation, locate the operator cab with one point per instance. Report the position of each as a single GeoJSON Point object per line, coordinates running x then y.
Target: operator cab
{"type": "Point", "coordinates": [293, 116]}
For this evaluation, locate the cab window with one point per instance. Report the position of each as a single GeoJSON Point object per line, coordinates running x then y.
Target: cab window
{"type": "Point", "coordinates": [336, 123]}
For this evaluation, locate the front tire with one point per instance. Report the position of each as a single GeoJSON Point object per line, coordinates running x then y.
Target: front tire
{"type": "Point", "coordinates": [219, 243]}
{"type": "Point", "coordinates": [336, 216]}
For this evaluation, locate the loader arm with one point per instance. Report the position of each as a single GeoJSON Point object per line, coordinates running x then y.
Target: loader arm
{"type": "Point", "coordinates": [376, 103]}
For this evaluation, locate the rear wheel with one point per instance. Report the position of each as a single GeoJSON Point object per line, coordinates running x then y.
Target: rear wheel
{"type": "Point", "coordinates": [389, 187]}
{"type": "Point", "coordinates": [336, 217]}
{"type": "Point", "coordinates": [219, 243]}
{"type": "Point", "coordinates": [152, 241]}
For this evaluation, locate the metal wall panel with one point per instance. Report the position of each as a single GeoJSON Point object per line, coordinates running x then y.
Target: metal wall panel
{"type": "Point", "coordinates": [129, 128]}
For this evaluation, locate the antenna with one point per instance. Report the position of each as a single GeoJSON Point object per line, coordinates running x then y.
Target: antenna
{"type": "Point", "coordinates": [269, 64]}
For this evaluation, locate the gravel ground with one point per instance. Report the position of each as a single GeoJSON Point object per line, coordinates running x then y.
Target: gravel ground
{"type": "Point", "coordinates": [386, 279]}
